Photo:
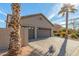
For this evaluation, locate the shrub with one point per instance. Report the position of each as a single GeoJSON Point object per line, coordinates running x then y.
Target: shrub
{"type": "Point", "coordinates": [62, 34]}
{"type": "Point", "coordinates": [77, 33]}
{"type": "Point", "coordinates": [56, 34]}
{"type": "Point", "coordinates": [70, 31]}
{"type": "Point", "coordinates": [74, 36]}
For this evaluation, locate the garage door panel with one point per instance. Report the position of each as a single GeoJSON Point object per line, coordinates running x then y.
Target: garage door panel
{"type": "Point", "coordinates": [43, 33]}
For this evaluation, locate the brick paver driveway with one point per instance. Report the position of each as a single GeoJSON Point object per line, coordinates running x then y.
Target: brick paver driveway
{"type": "Point", "coordinates": [60, 45]}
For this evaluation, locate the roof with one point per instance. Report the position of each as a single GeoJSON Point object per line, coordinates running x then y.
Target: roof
{"type": "Point", "coordinates": [32, 16]}
{"type": "Point", "coordinates": [57, 27]}
{"type": "Point", "coordinates": [37, 15]}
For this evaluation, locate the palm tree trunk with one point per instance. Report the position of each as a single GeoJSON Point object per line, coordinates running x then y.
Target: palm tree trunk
{"type": "Point", "coordinates": [15, 38]}
{"type": "Point", "coordinates": [66, 25]}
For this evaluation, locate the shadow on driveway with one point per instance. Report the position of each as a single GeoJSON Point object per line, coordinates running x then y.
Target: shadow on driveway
{"type": "Point", "coordinates": [63, 48]}
{"type": "Point", "coordinates": [38, 39]}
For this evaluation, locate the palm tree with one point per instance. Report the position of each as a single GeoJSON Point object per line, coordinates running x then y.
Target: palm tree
{"type": "Point", "coordinates": [65, 10]}
{"type": "Point", "coordinates": [15, 38]}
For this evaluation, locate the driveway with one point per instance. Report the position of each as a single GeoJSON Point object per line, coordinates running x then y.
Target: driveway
{"type": "Point", "coordinates": [61, 46]}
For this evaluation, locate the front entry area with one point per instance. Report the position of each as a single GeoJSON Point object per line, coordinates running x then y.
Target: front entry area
{"type": "Point", "coordinates": [31, 33]}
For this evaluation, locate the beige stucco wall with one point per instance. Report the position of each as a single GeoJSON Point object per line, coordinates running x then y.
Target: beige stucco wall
{"type": "Point", "coordinates": [4, 38]}
{"type": "Point", "coordinates": [24, 36]}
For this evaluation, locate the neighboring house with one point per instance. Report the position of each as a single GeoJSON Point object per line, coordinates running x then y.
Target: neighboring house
{"type": "Point", "coordinates": [57, 28]}
{"type": "Point", "coordinates": [33, 27]}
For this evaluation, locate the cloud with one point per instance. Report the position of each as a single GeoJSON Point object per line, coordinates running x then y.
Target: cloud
{"type": "Point", "coordinates": [55, 11]}
{"type": "Point", "coordinates": [52, 15]}
{"type": "Point", "coordinates": [3, 13]}
{"type": "Point", "coordinates": [2, 21]}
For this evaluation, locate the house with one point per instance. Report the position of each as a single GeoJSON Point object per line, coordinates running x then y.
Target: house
{"type": "Point", "coordinates": [57, 28]}
{"type": "Point", "coordinates": [33, 27]}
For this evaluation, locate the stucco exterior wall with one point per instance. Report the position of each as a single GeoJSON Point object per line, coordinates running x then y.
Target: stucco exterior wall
{"type": "Point", "coordinates": [24, 36]}
{"type": "Point", "coordinates": [37, 21]}
{"type": "Point", "coordinates": [4, 38]}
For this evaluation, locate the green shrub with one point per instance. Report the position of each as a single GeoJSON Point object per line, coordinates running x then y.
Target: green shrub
{"type": "Point", "coordinates": [56, 34]}
{"type": "Point", "coordinates": [72, 33]}
{"type": "Point", "coordinates": [54, 31]}
{"type": "Point", "coordinates": [62, 34]}
{"type": "Point", "coordinates": [63, 30]}
{"type": "Point", "coordinates": [74, 36]}
{"type": "Point", "coordinates": [77, 33]}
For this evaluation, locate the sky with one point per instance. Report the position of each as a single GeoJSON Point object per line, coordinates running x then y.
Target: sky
{"type": "Point", "coordinates": [50, 10]}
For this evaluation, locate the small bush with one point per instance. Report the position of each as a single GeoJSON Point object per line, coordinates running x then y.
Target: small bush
{"type": "Point", "coordinates": [56, 34]}
{"type": "Point", "coordinates": [74, 36]}
{"type": "Point", "coordinates": [63, 34]}
{"type": "Point", "coordinates": [77, 33]}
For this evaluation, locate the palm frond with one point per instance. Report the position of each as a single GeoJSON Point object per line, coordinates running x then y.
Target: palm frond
{"type": "Point", "coordinates": [62, 12]}
{"type": "Point", "coordinates": [73, 10]}
{"type": "Point", "coordinates": [69, 8]}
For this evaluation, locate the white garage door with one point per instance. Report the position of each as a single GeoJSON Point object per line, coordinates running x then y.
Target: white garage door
{"type": "Point", "coordinates": [43, 33]}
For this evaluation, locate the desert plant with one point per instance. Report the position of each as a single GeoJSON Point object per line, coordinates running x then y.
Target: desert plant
{"type": "Point", "coordinates": [63, 34]}
{"type": "Point", "coordinates": [56, 34]}
{"type": "Point", "coordinates": [77, 33]}
{"type": "Point", "coordinates": [74, 36]}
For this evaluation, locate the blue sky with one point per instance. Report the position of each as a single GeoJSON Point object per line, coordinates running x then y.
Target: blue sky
{"type": "Point", "coordinates": [50, 10]}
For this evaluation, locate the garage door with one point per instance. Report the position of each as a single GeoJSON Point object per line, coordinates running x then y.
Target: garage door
{"type": "Point", "coordinates": [43, 33]}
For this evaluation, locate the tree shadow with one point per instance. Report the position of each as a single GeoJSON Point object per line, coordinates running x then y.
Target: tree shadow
{"type": "Point", "coordinates": [38, 39]}
{"type": "Point", "coordinates": [3, 51]}
{"type": "Point", "coordinates": [50, 51]}
{"type": "Point", "coordinates": [63, 48]}
{"type": "Point", "coordinates": [36, 52]}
